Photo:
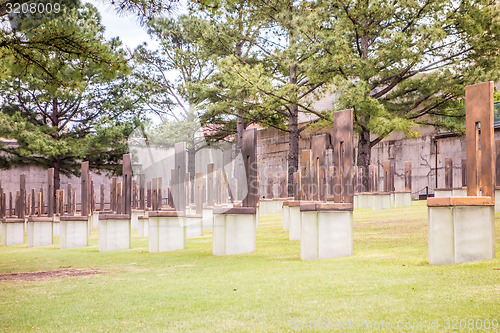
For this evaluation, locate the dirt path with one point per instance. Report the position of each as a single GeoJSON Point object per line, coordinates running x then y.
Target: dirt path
{"type": "Point", "coordinates": [61, 273]}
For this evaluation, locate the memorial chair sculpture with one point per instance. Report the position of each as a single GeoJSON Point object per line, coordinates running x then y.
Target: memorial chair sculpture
{"type": "Point", "coordinates": [497, 176]}
{"type": "Point", "coordinates": [274, 200]}
{"type": "Point", "coordinates": [194, 220]}
{"type": "Point", "coordinates": [39, 229]}
{"type": "Point", "coordinates": [326, 227]}
{"type": "Point", "coordinates": [374, 198]}
{"type": "Point", "coordinates": [167, 227]}
{"type": "Point", "coordinates": [12, 227]}
{"type": "Point", "coordinates": [449, 190]}
{"type": "Point", "coordinates": [382, 200]}
{"type": "Point", "coordinates": [401, 198]}
{"type": "Point", "coordinates": [234, 228]}
{"type": "Point", "coordinates": [115, 226]}
{"type": "Point", "coordinates": [462, 229]}
{"type": "Point", "coordinates": [139, 206]}
{"type": "Point", "coordinates": [74, 229]}
{"type": "Point", "coordinates": [266, 203]}
{"type": "Point", "coordinates": [285, 206]}
{"type": "Point", "coordinates": [301, 194]}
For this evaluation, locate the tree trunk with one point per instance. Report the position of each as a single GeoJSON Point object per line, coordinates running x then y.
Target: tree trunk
{"type": "Point", "coordinates": [192, 170]}
{"type": "Point", "coordinates": [293, 141]}
{"type": "Point", "coordinates": [56, 164]}
{"type": "Point", "coordinates": [364, 156]}
{"type": "Point", "coordinates": [240, 127]}
{"type": "Point", "coordinates": [240, 122]}
{"type": "Point", "coordinates": [293, 146]}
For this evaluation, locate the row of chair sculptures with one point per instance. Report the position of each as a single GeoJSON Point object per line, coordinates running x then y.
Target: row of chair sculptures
{"type": "Point", "coordinates": [322, 202]}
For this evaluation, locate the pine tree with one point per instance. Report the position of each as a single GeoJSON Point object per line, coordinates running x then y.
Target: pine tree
{"type": "Point", "coordinates": [71, 108]}
{"type": "Point", "coordinates": [269, 85]}
{"type": "Point", "coordinates": [402, 64]}
{"type": "Point", "coordinates": [29, 38]}
{"type": "Point", "coordinates": [164, 78]}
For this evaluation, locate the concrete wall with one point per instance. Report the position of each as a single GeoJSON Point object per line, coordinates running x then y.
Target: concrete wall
{"type": "Point", "coordinates": [36, 177]}
{"type": "Point", "coordinates": [426, 154]}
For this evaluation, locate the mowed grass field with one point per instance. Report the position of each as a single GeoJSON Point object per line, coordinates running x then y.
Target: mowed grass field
{"type": "Point", "coordinates": [387, 281]}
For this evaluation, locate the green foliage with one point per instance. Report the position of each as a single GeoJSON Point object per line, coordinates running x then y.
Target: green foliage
{"type": "Point", "coordinates": [106, 145]}
{"type": "Point", "coordinates": [398, 65]}
{"type": "Point", "coordinates": [69, 107]}
{"type": "Point", "coordinates": [75, 34]}
{"type": "Point", "coordinates": [403, 64]}
{"type": "Point", "coordinates": [164, 78]}
{"type": "Point", "coordinates": [241, 89]}
{"type": "Point", "coordinates": [255, 44]}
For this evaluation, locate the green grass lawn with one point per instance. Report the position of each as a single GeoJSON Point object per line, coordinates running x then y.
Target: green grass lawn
{"type": "Point", "coordinates": [388, 280]}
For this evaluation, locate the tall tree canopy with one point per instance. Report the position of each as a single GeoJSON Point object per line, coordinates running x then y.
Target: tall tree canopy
{"type": "Point", "coordinates": [231, 36]}
{"type": "Point", "coordinates": [261, 77]}
{"type": "Point", "coordinates": [164, 78]}
{"type": "Point", "coordinates": [400, 64]}
{"type": "Point", "coordinates": [72, 108]}
{"type": "Point", "coordinates": [32, 37]}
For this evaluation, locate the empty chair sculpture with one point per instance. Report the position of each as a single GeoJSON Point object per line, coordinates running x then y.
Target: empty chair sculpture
{"type": "Point", "coordinates": [462, 229]}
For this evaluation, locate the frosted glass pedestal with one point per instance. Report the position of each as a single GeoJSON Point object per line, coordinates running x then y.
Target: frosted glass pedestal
{"type": "Point", "coordinates": [285, 211]}
{"type": "Point", "coordinates": [294, 224]}
{"type": "Point", "coordinates": [208, 218]}
{"type": "Point", "coordinates": [73, 231]}
{"type": "Point", "coordinates": [167, 231]}
{"type": "Point", "coordinates": [381, 201]}
{"type": "Point", "coordinates": [461, 229]}
{"type": "Point", "coordinates": [402, 199]}
{"type": "Point", "coordinates": [326, 231]}
{"type": "Point", "coordinates": [12, 231]}
{"type": "Point", "coordinates": [40, 231]}
{"type": "Point", "coordinates": [142, 226]}
{"type": "Point", "coordinates": [134, 218]}
{"type": "Point", "coordinates": [194, 227]}
{"type": "Point", "coordinates": [114, 232]}
{"type": "Point", "coordinates": [234, 231]}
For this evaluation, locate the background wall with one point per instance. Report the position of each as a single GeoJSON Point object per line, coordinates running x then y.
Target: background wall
{"type": "Point", "coordinates": [426, 154]}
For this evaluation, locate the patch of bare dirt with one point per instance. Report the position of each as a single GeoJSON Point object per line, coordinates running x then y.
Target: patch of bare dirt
{"type": "Point", "coordinates": [61, 273]}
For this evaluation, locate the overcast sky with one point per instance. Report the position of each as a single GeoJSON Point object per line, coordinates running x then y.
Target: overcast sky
{"type": "Point", "coordinates": [128, 29]}
{"type": "Point", "coordinates": [125, 27]}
